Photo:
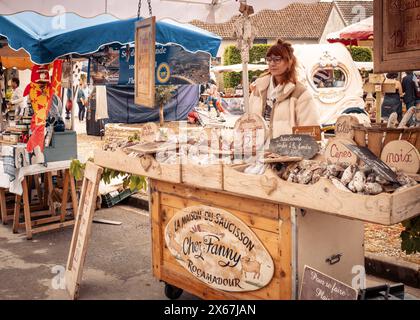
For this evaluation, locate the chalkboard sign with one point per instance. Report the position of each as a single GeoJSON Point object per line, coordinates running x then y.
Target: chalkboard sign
{"type": "Point", "coordinates": [396, 35]}
{"type": "Point", "coordinates": [319, 286]}
{"type": "Point", "coordinates": [298, 145]}
{"type": "Point", "coordinates": [374, 162]}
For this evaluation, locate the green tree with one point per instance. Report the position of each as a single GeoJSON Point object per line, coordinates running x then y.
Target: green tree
{"type": "Point", "coordinates": [360, 54]}
{"type": "Point", "coordinates": [232, 55]}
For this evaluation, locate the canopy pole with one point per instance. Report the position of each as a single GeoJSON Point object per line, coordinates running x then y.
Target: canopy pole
{"type": "Point", "coordinates": [245, 81]}
{"type": "Point", "coordinates": [72, 94]}
{"type": "Point", "coordinates": [245, 33]}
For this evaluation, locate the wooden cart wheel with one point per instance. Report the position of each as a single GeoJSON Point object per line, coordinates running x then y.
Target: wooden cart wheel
{"type": "Point", "coordinates": [172, 292]}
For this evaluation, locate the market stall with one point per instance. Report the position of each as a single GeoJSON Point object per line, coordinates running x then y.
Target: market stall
{"type": "Point", "coordinates": [236, 214]}
{"type": "Point", "coordinates": [35, 141]}
{"type": "Point", "coordinates": [227, 228]}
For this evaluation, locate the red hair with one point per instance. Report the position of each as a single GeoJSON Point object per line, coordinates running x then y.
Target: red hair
{"type": "Point", "coordinates": [285, 50]}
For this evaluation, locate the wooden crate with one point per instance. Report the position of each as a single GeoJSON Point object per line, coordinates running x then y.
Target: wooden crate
{"type": "Point", "coordinates": [377, 136]}
{"type": "Point", "coordinates": [145, 166]}
{"type": "Point", "coordinates": [270, 222]}
{"type": "Point", "coordinates": [384, 208]}
{"type": "Point", "coordinates": [206, 176]}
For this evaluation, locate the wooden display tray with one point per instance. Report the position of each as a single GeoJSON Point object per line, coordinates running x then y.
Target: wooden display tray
{"type": "Point", "coordinates": [142, 166]}
{"type": "Point", "coordinates": [152, 147]}
{"type": "Point", "coordinates": [384, 208]}
{"type": "Point", "coordinates": [206, 176]}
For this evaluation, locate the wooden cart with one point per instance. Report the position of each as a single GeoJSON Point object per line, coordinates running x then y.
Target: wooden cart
{"type": "Point", "coordinates": [292, 237]}
{"type": "Point", "coordinates": [293, 225]}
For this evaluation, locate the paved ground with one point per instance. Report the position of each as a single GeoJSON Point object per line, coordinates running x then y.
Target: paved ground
{"type": "Point", "coordinates": [118, 264]}
{"type": "Point", "coordinates": [117, 267]}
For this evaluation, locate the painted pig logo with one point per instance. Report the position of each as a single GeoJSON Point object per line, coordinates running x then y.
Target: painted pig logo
{"type": "Point", "coordinates": [250, 265]}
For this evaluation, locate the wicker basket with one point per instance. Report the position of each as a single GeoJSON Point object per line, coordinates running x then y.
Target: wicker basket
{"type": "Point", "coordinates": [377, 136]}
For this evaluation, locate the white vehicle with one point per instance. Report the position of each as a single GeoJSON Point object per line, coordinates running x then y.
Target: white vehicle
{"type": "Point", "coordinates": [331, 75]}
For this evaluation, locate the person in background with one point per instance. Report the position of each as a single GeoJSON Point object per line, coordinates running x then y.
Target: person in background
{"type": "Point", "coordinates": [417, 83]}
{"type": "Point", "coordinates": [279, 98]}
{"type": "Point", "coordinates": [214, 96]}
{"type": "Point", "coordinates": [17, 101]}
{"type": "Point", "coordinates": [81, 100]}
{"type": "Point", "coordinates": [392, 101]}
{"type": "Point", "coordinates": [409, 89]}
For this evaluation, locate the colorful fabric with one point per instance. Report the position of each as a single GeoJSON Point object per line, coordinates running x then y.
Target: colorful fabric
{"type": "Point", "coordinates": [40, 93]}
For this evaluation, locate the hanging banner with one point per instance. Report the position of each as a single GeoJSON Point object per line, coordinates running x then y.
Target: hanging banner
{"type": "Point", "coordinates": [105, 67]}
{"type": "Point", "coordinates": [127, 65]}
{"type": "Point", "coordinates": [176, 66]}
{"type": "Point", "coordinates": [173, 66]}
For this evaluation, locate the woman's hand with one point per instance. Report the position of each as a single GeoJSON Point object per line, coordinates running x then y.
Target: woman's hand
{"type": "Point", "coordinates": [252, 87]}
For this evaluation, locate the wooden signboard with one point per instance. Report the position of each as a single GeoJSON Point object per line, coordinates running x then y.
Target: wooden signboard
{"type": "Point", "coordinates": [313, 131]}
{"type": "Point", "coordinates": [82, 228]}
{"type": "Point", "coordinates": [218, 249]}
{"type": "Point", "coordinates": [374, 162]}
{"type": "Point", "coordinates": [343, 127]}
{"type": "Point", "coordinates": [145, 62]}
{"type": "Point", "coordinates": [250, 134]}
{"type": "Point", "coordinates": [402, 155]}
{"type": "Point", "coordinates": [318, 286]}
{"type": "Point", "coordinates": [337, 152]}
{"type": "Point", "coordinates": [396, 35]}
{"type": "Point", "coordinates": [149, 132]}
{"type": "Point", "coordinates": [294, 145]}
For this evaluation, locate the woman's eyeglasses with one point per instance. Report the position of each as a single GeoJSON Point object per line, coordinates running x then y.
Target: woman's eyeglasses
{"type": "Point", "coordinates": [274, 59]}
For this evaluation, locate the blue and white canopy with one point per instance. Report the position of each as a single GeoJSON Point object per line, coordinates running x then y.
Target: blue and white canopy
{"type": "Point", "coordinates": [47, 38]}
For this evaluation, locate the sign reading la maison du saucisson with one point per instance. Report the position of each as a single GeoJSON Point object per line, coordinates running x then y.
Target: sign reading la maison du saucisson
{"type": "Point", "coordinates": [218, 249]}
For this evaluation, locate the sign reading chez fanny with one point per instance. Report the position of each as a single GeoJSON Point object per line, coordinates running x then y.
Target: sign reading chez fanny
{"type": "Point", "coordinates": [218, 249]}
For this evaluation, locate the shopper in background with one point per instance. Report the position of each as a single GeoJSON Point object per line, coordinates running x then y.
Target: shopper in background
{"type": "Point", "coordinates": [81, 100]}
{"type": "Point", "coordinates": [392, 101]}
{"type": "Point", "coordinates": [214, 96]}
{"type": "Point", "coordinates": [17, 101]}
{"type": "Point", "coordinates": [409, 89]}
{"type": "Point", "coordinates": [416, 77]}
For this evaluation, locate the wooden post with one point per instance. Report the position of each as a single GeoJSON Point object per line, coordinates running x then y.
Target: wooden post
{"type": "Point", "coordinates": [161, 115]}
{"type": "Point", "coordinates": [378, 86]}
{"type": "Point", "coordinates": [379, 96]}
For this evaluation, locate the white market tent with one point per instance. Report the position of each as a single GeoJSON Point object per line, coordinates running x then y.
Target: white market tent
{"type": "Point", "coordinates": [238, 68]}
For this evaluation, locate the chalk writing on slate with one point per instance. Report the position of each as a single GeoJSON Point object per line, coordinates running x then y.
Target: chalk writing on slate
{"type": "Point", "coordinates": [295, 146]}
{"type": "Point", "coordinates": [319, 286]}
{"type": "Point", "coordinates": [374, 162]}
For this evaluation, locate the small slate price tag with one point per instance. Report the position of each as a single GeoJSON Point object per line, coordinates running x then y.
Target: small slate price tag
{"type": "Point", "coordinates": [374, 162]}
{"type": "Point", "coordinates": [298, 145]}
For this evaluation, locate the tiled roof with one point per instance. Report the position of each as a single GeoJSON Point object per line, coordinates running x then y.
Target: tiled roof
{"type": "Point", "coordinates": [296, 21]}
{"type": "Point", "coordinates": [354, 11]}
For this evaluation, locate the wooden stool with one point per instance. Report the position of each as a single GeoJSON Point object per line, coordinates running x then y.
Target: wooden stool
{"type": "Point", "coordinates": [7, 213]}
{"type": "Point", "coordinates": [44, 224]}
